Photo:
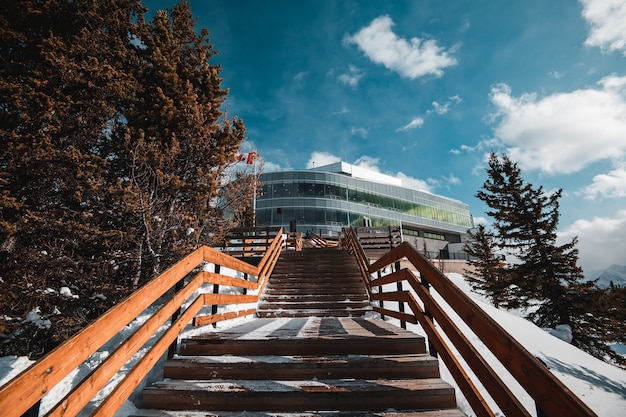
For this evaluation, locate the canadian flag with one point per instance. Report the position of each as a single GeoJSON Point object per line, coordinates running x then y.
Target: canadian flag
{"type": "Point", "coordinates": [249, 158]}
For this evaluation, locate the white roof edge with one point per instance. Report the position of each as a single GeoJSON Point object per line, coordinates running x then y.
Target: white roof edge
{"type": "Point", "coordinates": [359, 172]}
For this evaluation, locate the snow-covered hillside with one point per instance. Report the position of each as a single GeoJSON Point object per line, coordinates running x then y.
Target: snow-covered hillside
{"type": "Point", "coordinates": [615, 274]}
{"type": "Point", "coordinates": [598, 384]}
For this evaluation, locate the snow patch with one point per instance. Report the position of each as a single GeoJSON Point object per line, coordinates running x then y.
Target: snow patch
{"type": "Point", "coordinates": [563, 332]}
{"type": "Point", "coordinates": [66, 292]}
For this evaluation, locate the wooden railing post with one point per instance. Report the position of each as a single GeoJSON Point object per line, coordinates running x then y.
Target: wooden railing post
{"type": "Point", "coordinates": [380, 291]}
{"type": "Point", "coordinates": [540, 412]}
{"type": "Point", "coordinates": [400, 303]}
{"type": "Point", "coordinates": [171, 351]}
{"type": "Point", "coordinates": [33, 411]}
{"type": "Point", "coordinates": [431, 348]}
{"type": "Point", "coordinates": [216, 290]}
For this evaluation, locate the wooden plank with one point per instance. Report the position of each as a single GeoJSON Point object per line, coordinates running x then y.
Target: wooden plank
{"type": "Point", "coordinates": [550, 394]}
{"type": "Point", "coordinates": [213, 278]}
{"type": "Point", "coordinates": [255, 231]}
{"type": "Point", "coordinates": [409, 318]}
{"type": "Point", "coordinates": [338, 394]}
{"type": "Point", "coordinates": [80, 395]}
{"type": "Point", "coordinates": [498, 390]}
{"type": "Point", "coordinates": [221, 299]}
{"type": "Point", "coordinates": [399, 296]}
{"type": "Point", "coordinates": [21, 393]}
{"type": "Point", "coordinates": [468, 388]}
{"type": "Point", "coordinates": [133, 378]}
{"type": "Point", "coordinates": [223, 259]}
{"type": "Point", "coordinates": [216, 318]}
{"type": "Point", "coordinates": [361, 258]}
{"type": "Point", "coordinates": [276, 246]}
{"type": "Point", "coordinates": [303, 367]}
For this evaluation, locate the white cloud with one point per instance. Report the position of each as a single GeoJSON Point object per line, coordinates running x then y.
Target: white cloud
{"type": "Point", "coordinates": [359, 131]}
{"type": "Point", "coordinates": [414, 183]}
{"type": "Point", "coordinates": [600, 241]}
{"type": "Point", "coordinates": [607, 21]}
{"type": "Point", "coordinates": [352, 77]}
{"type": "Point", "coordinates": [299, 78]}
{"type": "Point", "coordinates": [272, 167]}
{"type": "Point", "coordinates": [563, 132]}
{"type": "Point", "coordinates": [344, 110]}
{"type": "Point", "coordinates": [481, 220]}
{"type": "Point", "coordinates": [368, 162]}
{"type": "Point", "coordinates": [324, 158]}
{"type": "Point", "coordinates": [444, 108]}
{"type": "Point", "coordinates": [413, 124]}
{"type": "Point", "coordinates": [412, 59]}
{"type": "Point", "coordinates": [452, 179]}
{"type": "Point", "coordinates": [555, 74]}
{"type": "Point", "coordinates": [611, 185]}
{"type": "Point", "coordinates": [319, 159]}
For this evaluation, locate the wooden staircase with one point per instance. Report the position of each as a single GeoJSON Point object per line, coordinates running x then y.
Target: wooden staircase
{"type": "Point", "coordinates": [326, 364]}
{"type": "Point", "coordinates": [315, 282]}
{"type": "Point", "coordinates": [303, 365]}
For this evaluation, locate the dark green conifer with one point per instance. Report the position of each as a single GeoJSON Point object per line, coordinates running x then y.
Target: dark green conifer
{"type": "Point", "coordinates": [178, 142]}
{"type": "Point", "coordinates": [545, 277]}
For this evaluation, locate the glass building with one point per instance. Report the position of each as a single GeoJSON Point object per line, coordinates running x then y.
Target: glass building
{"type": "Point", "coordinates": [328, 198]}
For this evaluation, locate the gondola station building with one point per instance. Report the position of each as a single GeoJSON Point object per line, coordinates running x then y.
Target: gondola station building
{"type": "Point", "coordinates": [326, 199]}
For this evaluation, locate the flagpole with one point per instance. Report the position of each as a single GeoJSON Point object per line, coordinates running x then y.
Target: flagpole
{"type": "Point", "coordinates": [254, 195]}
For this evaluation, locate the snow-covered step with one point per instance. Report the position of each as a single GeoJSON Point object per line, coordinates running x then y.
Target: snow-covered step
{"type": "Point", "coordinates": [315, 282]}
{"type": "Point", "coordinates": [302, 367]}
{"type": "Point", "coordinates": [319, 395]}
{"type": "Point", "coordinates": [307, 336]}
{"type": "Point", "coordinates": [188, 413]}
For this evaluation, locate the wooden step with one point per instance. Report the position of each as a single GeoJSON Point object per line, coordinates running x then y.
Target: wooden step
{"type": "Point", "coordinates": [304, 304]}
{"type": "Point", "coordinates": [319, 395]}
{"type": "Point", "coordinates": [314, 290]}
{"type": "Point", "coordinates": [302, 367]}
{"type": "Point", "coordinates": [314, 312]}
{"type": "Point", "coordinates": [188, 413]}
{"type": "Point", "coordinates": [267, 298]}
{"type": "Point", "coordinates": [325, 278]}
{"type": "Point", "coordinates": [307, 336]}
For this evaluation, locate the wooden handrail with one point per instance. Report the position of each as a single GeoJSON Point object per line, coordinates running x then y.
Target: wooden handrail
{"type": "Point", "coordinates": [351, 244]}
{"type": "Point", "coordinates": [25, 390]}
{"type": "Point", "coordinates": [551, 396]}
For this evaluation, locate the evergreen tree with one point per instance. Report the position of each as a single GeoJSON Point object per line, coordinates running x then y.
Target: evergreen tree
{"type": "Point", "coordinates": [112, 153]}
{"type": "Point", "coordinates": [487, 275]}
{"type": "Point", "coordinates": [546, 276]}
{"type": "Point", "coordinates": [178, 142]}
{"type": "Point", "coordinates": [61, 83]}
{"type": "Point", "coordinates": [525, 223]}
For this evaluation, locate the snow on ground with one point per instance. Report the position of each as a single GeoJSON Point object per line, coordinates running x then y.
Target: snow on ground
{"type": "Point", "coordinates": [600, 385]}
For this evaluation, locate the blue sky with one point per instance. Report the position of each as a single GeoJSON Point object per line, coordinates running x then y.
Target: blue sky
{"type": "Point", "coordinates": [424, 90]}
